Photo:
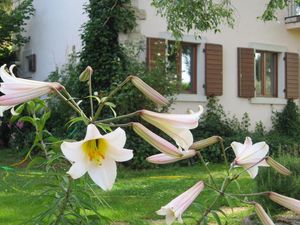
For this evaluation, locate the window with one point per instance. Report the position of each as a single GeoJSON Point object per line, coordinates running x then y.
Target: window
{"type": "Point", "coordinates": [183, 60]}
{"type": "Point", "coordinates": [265, 74]}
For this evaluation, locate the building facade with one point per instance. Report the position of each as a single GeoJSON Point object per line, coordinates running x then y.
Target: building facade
{"type": "Point", "coordinates": [252, 68]}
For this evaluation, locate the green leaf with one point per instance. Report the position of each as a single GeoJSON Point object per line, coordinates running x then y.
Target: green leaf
{"type": "Point", "coordinates": [104, 127]}
{"type": "Point", "coordinates": [237, 184]}
{"type": "Point", "coordinates": [18, 112]}
{"type": "Point", "coordinates": [205, 221]}
{"type": "Point", "coordinates": [229, 202]}
{"type": "Point", "coordinates": [45, 117]}
{"type": "Point", "coordinates": [30, 107]}
{"type": "Point", "coordinates": [37, 161]}
{"type": "Point", "coordinates": [74, 121]}
{"type": "Point", "coordinates": [216, 217]}
{"type": "Point", "coordinates": [28, 119]}
{"type": "Point", "coordinates": [6, 168]}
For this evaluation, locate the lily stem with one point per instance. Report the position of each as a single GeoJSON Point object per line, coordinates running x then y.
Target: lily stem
{"type": "Point", "coordinates": [225, 184]}
{"type": "Point", "coordinates": [250, 194]}
{"type": "Point", "coordinates": [91, 94]}
{"type": "Point", "coordinates": [64, 203]}
{"type": "Point", "coordinates": [206, 167]}
{"type": "Point", "coordinates": [72, 104]}
{"type": "Point", "coordinates": [224, 153]}
{"type": "Point", "coordinates": [109, 96]}
{"type": "Point", "coordinates": [118, 117]}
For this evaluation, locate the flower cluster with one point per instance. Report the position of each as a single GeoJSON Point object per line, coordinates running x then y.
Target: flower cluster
{"type": "Point", "coordinates": [97, 154]}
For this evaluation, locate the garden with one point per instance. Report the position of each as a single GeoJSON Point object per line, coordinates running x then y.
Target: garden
{"type": "Point", "coordinates": [116, 156]}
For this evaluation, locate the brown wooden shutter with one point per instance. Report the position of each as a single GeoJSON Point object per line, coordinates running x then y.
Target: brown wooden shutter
{"type": "Point", "coordinates": [291, 75]}
{"type": "Point", "coordinates": [246, 72]}
{"type": "Point", "coordinates": [156, 49]}
{"type": "Point", "coordinates": [213, 69]}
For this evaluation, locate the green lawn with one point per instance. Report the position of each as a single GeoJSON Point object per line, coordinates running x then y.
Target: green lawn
{"type": "Point", "coordinates": [134, 199]}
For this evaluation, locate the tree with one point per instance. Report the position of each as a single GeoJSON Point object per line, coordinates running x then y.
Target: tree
{"type": "Point", "coordinates": [185, 15]}
{"type": "Point", "coordinates": [13, 16]}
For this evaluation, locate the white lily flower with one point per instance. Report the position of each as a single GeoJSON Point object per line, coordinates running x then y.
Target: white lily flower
{"type": "Point", "coordinates": [249, 156]}
{"type": "Point", "coordinates": [177, 126]}
{"type": "Point", "coordinates": [97, 154]}
{"type": "Point", "coordinates": [18, 90]}
{"type": "Point", "coordinates": [174, 209]}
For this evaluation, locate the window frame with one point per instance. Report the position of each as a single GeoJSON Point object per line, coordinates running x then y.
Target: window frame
{"type": "Point", "coordinates": [193, 89]}
{"type": "Point", "coordinates": [263, 74]}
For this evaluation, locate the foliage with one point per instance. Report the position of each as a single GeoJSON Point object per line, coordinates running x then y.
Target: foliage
{"type": "Point", "coordinates": [204, 16]}
{"type": "Point", "coordinates": [36, 113]}
{"type": "Point", "coordinates": [13, 16]}
{"type": "Point", "coordinates": [101, 49]}
{"type": "Point", "coordinates": [272, 6]}
{"type": "Point", "coordinates": [215, 121]}
{"type": "Point", "coordinates": [287, 122]}
{"type": "Point", "coordinates": [201, 15]}
{"type": "Point", "coordinates": [285, 185]}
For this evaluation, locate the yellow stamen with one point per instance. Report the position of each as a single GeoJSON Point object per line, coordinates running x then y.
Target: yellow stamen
{"type": "Point", "coordinates": [95, 149]}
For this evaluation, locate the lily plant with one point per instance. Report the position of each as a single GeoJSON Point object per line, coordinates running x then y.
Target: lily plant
{"type": "Point", "coordinates": [97, 153]}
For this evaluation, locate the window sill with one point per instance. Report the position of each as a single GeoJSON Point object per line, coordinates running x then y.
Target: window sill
{"type": "Point", "coordinates": [190, 98]}
{"type": "Point", "coordinates": [268, 101]}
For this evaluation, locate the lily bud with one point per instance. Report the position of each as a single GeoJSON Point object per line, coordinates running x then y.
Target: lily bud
{"type": "Point", "coordinates": [287, 202]}
{"type": "Point", "coordinates": [149, 92]}
{"type": "Point", "coordinates": [263, 216]}
{"type": "Point", "coordinates": [156, 141]}
{"type": "Point", "coordinates": [86, 74]}
{"type": "Point", "coordinates": [166, 159]}
{"type": "Point", "coordinates": [278, 167]}
{"type": "Point", "coordinates": [206, 142]}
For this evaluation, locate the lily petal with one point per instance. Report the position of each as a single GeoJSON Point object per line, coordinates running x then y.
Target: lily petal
{"type": "Point", "coordinates": [253, 171]}
{"type": "Point", "coordinates": [92, 133]}
{"type": "Point", "coordinates": [117, 137]}
{"type": "Point", "coordinates": [104, 175]}
{"type": "Point", "coordinates": [72, 151]}
{"type": "Point", "coordinates": [78, 169]}
{"type": "Point", "coordinates": [119, 155]}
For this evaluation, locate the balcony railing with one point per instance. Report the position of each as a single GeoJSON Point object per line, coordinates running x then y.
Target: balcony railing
{"type": "Point", "coordinates": [293, 12]}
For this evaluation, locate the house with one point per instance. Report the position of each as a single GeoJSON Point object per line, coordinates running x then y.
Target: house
{"type": "Point", "coordinates": [252, 68]}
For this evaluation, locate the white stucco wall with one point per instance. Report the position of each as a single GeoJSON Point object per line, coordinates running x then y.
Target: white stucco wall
{"type": "Point", "coordinates": [248, 32]}
{"type": "Point", "coordinates": [53, 31]}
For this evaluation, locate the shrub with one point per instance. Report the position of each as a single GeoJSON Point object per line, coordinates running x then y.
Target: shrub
{"type": "Point", "coordinates": [287, 122]}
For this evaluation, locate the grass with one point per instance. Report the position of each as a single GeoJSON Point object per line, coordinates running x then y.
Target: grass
{"type": "Point", "coordinates": [134, 198]}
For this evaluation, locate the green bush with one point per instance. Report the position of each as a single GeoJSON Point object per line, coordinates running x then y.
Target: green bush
{"type": "Point", "coordinates": [287, 122]}
{"type": "Point", "coordinates": [268, 179]}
